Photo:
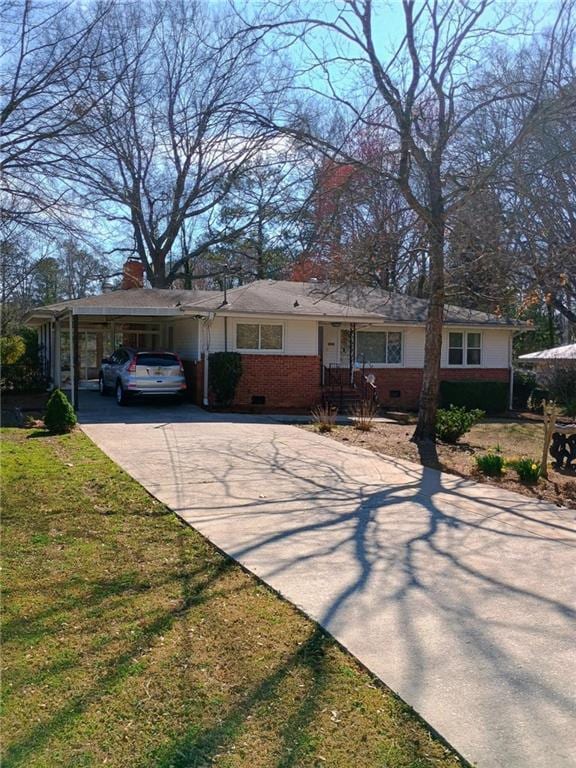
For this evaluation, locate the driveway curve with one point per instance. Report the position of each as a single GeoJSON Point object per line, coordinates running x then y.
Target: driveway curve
{"type": "Point", "coordinates": [459, 596]}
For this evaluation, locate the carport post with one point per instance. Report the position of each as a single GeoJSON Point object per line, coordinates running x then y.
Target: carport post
{"type": "Point", "coordinates": [57, 353]}
{"type": "Point", "coordinates": [74, 362]}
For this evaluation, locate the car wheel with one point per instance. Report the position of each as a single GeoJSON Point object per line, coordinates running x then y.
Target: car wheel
{"type": "Point", "coordinates": [102, 388]}
{"type": "Point", "coordinates": [121, 396]}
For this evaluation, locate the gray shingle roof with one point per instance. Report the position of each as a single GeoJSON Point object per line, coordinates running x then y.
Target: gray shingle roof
{"type": "Point", "coordinates": [392, 307]}
{"type": "Point", "coordinates": [269, 297]}
{"type": "Point", "coordinates": [280, 297]}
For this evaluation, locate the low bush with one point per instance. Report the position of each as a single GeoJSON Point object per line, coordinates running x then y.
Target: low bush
{"type": "Point", "coordinates": [364, 414]}
{"type": "Point", "coordinates": [21, 365]}
{"type": "Point", "coordinates": [324, 417]}
{"type": "Point", "coordinates": [453, 422]}
{"type": "Point", "coordinates": [490, 464]}
{"type": "Point", "coordinates": [527, 469]}
{"type": "Point", "coordinates": [225, 370]}
{"type": "Point", "coordinates": [12, 348]}
{"type": "Point", "coordinates": [489, 396]}
{"type": "Point", "coordinates": [60, 417]}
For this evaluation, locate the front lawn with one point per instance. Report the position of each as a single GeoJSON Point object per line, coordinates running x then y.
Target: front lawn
{"type": "Point", "coordinates": [513, 438]}
{"type": "Point", "coordinates": [129, 641]}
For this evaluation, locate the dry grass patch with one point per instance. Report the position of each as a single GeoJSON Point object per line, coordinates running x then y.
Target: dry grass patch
{"type": "Point", "coordinates": [130, 641]}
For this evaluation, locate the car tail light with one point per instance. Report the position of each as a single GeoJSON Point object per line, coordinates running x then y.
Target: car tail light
{"type": "Point", "coordinates": [132, 366]}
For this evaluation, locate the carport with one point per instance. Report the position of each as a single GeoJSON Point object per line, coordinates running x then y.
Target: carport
{"type": "Point", "coordinates": [75, 335]}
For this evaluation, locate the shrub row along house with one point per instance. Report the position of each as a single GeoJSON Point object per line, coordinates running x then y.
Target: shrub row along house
{"type": "Point", "coordinates": [300, 343]}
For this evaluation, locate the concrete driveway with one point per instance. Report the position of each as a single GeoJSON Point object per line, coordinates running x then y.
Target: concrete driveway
{"type": "Point", "coordinates": [460, 597]}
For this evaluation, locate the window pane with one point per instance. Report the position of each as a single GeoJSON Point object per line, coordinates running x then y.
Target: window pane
{"type": "Point", "coordinates": [270, 337]}
{"type": "Point", "coordinates": [455, 357]}
{"type": "Point", "coordinates": [474, 340]}
{"type": "Point", "coordinates": [371, 347]}
{"type": "Point", "coordinates": [456, 340]}
{"type": "Point", "coordinates": [473, 357]}
{"type": "Point", "coordinates": [394, 347]}
{"type": "Point", "coordinates": [246, 336]}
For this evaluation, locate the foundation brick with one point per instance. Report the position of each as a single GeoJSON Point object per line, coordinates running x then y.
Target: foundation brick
{"type": "Point", "coordinates": [293, 382]}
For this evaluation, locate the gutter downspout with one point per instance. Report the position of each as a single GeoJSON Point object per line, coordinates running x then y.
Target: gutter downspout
{"type": "Point", "coordinates": [511, 366]}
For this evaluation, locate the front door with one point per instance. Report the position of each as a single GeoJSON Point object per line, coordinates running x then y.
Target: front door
{"type": "Point", "coordinates": [330, 345]}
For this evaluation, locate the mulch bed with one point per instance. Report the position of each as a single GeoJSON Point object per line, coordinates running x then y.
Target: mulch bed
{"type": "Point", "coordinates": [394, 440]}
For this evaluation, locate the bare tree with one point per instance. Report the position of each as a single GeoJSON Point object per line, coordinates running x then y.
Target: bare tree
{"type": "Point", "coordinates": [51, 52]}
{"type": "Point", "coordinates": [163, 151]}
{"type": "Point", "coordinates": [425, 90]}
{"type": "Point", "coordinates": [365, 231]}
{"type": "Point", "coordinates": [522, 223]}
{"type": "Point", "coordinates": [271, 197]}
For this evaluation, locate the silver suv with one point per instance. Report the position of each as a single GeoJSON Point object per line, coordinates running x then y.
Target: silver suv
{"type": "Point", "coordinates": [130, 372]}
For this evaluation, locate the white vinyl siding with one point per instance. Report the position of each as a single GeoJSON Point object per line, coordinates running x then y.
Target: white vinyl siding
{"type": "Point", "coordinates": [185, 339]}
{"type": "Point", "coordinates": [301, 338]}
{"type": "Point", "coordinates": [496, 349]}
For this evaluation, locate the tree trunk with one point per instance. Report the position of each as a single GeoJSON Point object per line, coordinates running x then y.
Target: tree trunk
{"type": "Point", "coordinates": [551, 334]}
{"type": "Point", "coordinates": [426, 426]}
{"type": "Point", "coordinates": [158, 278]}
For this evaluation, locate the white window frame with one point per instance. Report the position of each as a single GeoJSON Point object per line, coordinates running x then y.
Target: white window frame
{"type": "Point", "coordinates": [400, 364]}
{"type": "Point", "coordinates": [259, 351]}
{"type": "Point", "coordinates": [465, 363]}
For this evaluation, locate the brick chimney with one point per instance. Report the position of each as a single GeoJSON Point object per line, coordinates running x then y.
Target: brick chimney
{"type": "Point", "coordinates": [132, 274]}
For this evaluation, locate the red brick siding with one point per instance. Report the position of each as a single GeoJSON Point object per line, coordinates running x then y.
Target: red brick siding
{"type": "Point", "coordinates": [409, 382]}
{"type": "Point", "coordinates": [194, 372]}
{"type": "Point", "coordinates": [290, 382]}
{"type": "Point", "coordinates": [286, 381]}
{"type": "Point", "coordinates": [293, 381]}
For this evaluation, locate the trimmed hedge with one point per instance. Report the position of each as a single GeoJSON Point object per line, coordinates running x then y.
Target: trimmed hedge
{"type": "Point", "coordinates": [489, 396]}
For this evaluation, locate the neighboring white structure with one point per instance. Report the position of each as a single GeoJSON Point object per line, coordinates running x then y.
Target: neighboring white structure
{"type": "Point", "coordinates": [567, 352]}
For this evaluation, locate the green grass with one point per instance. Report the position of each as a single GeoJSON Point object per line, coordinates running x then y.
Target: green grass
{"type": "Point", "coordinates": [130, 641]}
